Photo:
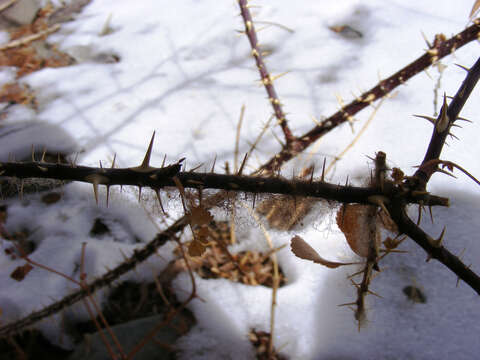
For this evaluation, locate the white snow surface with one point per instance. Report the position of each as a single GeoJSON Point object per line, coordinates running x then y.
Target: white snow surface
{"type": "Point", "coordinates": [185, 72]}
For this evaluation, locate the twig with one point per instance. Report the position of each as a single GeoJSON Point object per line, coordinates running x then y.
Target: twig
{"type": "Point", "coordinates": [129, 264]}
{"type": "Point", "coordinates": [432, 246]}
{"type": "Point", "coordinates": [266, 78]}
{"type": "Point", "coordinates": [275, 277]}
{"type": "Point", "coordinates": [28, 39]}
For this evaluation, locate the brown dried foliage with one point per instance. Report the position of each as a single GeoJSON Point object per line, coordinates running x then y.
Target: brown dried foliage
{"type": "Point", "coordinates": [247, 267]}
{"type": "Point", "coordinates": [32, 56]}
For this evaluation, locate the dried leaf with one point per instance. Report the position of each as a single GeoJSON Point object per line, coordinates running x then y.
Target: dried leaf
{"type": "Point", "coordinates": [202, 233]}
{"type": "Point", "coordinates": [21, 271]}
{"type": "Point", "coordinates": [390, 243]}
{"type": "Point", "coordinates": [284, 212]}
{"type": "Point", "coordinates": [352, 220]}
{"type": "Point", "coordinates": [196, 248]}
{"type": "Point", "coordinates": [304, 251]}
{"type": "Point", "coordinates": [200, 216]}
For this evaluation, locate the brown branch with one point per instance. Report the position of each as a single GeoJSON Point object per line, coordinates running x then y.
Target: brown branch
{"type": "Point", "coordinates": [429, 166]}
{"type": "Point", "coordinates": [266, 78]}
{"type": "Point", "coordinates": [433, 247]}
{"type": "Point", "coordinates": [126, 266]}
{"type": "Point", "coordinates": [443, 125]}
{"type": "Point", "coordinates": [157, 178]}
{"type": "Point", "coordinates": [384, 87]}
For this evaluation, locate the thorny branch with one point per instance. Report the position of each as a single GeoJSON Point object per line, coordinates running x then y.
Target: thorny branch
{"type": "Point", "coordinates": [439, 50]}
{"type": "Point", "coordinates": [443, 124]}
{"type": "Point", "coordinates": [126, 266]}
{"type": "Point", "coordinates": [266, 77]}
{"type": "Point", "coordinates": [395, 207]}
{"type": "Point", "coordinates": [433, 247]}
{"type": "Point", "coordinates": [419, 180]}
{"type": "Point", "coordinates": [157, 178]}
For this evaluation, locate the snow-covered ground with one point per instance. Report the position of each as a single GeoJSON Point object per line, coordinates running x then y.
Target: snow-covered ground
{"type": "Point", "coordinates": [185, 72]}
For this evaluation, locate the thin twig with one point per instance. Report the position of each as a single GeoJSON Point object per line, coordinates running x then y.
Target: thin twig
{"type": "Point", "coordinates": [266, 78]}
{"type": "Point", "coordinates": [275, 277]}
{"type": "Point", "coordinates": [28, 39]}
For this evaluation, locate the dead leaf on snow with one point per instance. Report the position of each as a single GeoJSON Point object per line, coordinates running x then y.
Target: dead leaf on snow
{"type": "Point", "coordinates": [21, 271]}
{"type": "Point", "coordinates": [304, 251]}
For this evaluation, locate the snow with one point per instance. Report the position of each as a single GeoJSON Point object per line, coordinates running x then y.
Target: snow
{"type": "Point", "coordinates": [184, 72]}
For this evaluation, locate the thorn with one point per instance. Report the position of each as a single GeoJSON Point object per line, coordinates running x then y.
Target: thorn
{"type": "Point", "coordinates": [464, 119]}
{"type": "Point", "coordinates": [453, 136]}
{"type": "Point", "coordinates": [157, 192]}
{"type": "Point", "coordinates": [96, 179]}
{"type": "Point", "coordinates": [438, 242]}
{"type": "Point", "coordinates": [146, 160]}
{"type": "Point", "coordinates": [355, 284]}
{"type": "Point", "coordinates": [431, 215]}
{"type": "Point", "coordinates": [379, 200]}
{"type": "Point", "coordinates": [213, 165]}
{"type": "Point", "coordinates": [243, 164]}
{"type": "Point", "coordinates": [420, 208]}
{"type": "Point", "coordinates": [164, 158]}
{"type": "Point", "coordinates": [347, 304]}
{"type": "Point", "coordinates": [443, 120]}
{"type": "Point", "coordinates": [311, 174]}
{"type": "Point", "coordinates": [322, 179]}
{"type": "Point", "coordinates": [463, 67]}
{"type": "Point", "coordinates": [429, 118]}
{"type": "Point", "coordinates": [196, 167]}
{"type": "Point", "coordinates": [346, 182]}
{"type": "Point", "coordinates": [113, 161]}
{"type": "Point", "coordinates": [275, 77]}
{"type": "Point", "coordinates": [374, 294]}
{"type": "Point", "coordinates": [253, 201]}
{"type": "Point", "coordinates": [33, 153]}
{"type": "Point", "coordinates": [446, 173]}
{"type": "Point", "coordinates": [426, 40]}
{"type": "Point", "coordinates": [100, 162]}
{"type": "Point", "coordinates": [43, 155]}
{"type": "Point", "coordinates": [95, 192]}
